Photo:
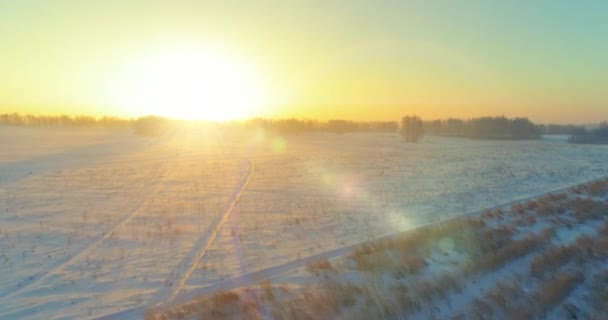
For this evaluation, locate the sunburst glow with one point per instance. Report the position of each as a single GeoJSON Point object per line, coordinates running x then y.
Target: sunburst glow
{"type": "Point", "coordinates": [190, 83]}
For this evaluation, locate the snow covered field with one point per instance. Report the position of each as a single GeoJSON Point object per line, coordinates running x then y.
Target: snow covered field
{"type": "Point", "coordinates": [103, 223]}
{"type": "Point", "coordinates": [542, 258]}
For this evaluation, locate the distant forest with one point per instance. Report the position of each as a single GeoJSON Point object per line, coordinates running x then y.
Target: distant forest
{"type": "Point", "coordinates": [484, 128]}
{"type": "Point", "coordinates": [517, 129]}
{"type": "Point", "coordinates": [592, 136]}
{"type": "Point", "coordinates": [15, 119]}
{"type": "Point", "coordinates": [502, 128]}
{"type": "Point", "coordinates": [476, 128]}
{"type": "Point", "coordinates": [291, 126]}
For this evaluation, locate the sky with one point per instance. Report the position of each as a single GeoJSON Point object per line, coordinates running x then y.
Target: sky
{"type": "Point", "coordinates": [360, 60]}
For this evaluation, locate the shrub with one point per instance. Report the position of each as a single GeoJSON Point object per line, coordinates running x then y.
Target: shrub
{"type": "Point", "coordinates": [551, 260]}
{"type": "Point", "coordinates": [598, 294]}
{"type": "Point", "coordinates": [494, 259]}
{"type": "Point", "coordinates": [586, 208]}
{"type": "Point", "coordinates": [224, 298]}
{"type": "Point", "coordinates": [412, 128]}
{"type": "Point", "coordinates": [482, 309]}
{"type": "Point", "coordinates": [555, 197]}
{"type": "Point", "coordinates": [412, 262]}
{"type": "Point", "coordinates": [531, 205]}
{"type": "Point", "coordinates": [518, 209]}
{"type": "Point", "coordinates": [598, 187]}
{"type": "Point", "coordinates": [374, 262]}
{"type": "Point", "coordinates": [550, 292]}
{"type": "Point", "coordinates": [503, 293]}
{"type": "Point", "coordinates": [604, 229]}
{"type": "Point", "coordinates": [600, 247]}
{"type": "Point", "coordinates": [488, 214]}
{"type": "Point", "coordinates": [151, 126]}
{"type": "Point", "coordinates": [318, 266]}
{"type": "Point", "coordinates": [546, 207]}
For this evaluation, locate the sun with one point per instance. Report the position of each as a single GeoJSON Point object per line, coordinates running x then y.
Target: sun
{"type": "Point", "coordinates": [190, 82]}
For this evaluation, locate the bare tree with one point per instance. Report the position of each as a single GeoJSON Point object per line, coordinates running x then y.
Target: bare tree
{"type": "Point", "coordinates": [412, 128]}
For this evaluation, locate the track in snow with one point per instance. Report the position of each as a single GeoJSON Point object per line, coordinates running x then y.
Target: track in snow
{"type": "Point", "coordinates": [175, 283]}
{"type": "Point", "coordinates": [254, 277]}
{"type": "Point", "coordinates": [63, 263]}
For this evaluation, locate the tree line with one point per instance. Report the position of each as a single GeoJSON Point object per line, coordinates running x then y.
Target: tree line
{"type": "Point", "coordinates": [294, 126]}
{"type": "Point", "coordinates": [15, 119]}
{"type": "Point", "coordinates": [411, 127]}
{"type": "Point", "coordinates": [593, 136]}
{"type": "Point", "coordinates": [563, 129]}
{"type": "Point", "coordinates": [485, 128]}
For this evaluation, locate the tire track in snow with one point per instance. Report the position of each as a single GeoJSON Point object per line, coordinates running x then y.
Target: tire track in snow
{"type": "Point", "coordinates": [176, 282]}
{"type": "Point", "coordinates": [63, 263]}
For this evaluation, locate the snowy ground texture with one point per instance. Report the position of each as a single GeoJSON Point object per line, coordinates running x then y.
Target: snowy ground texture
{"type": "Point", "coordinates": [545, 258]}
{"type": "Point", "coordinates": [98, 223]}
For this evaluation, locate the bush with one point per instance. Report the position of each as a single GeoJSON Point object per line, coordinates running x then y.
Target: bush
{"type": "Point", "coordinates": [598, 187]}
{"type": "Point", "coordinates": [588, 208]}
{"type": "Point", "coordinates": [318, 266]}
{"type": "Point", "coordinates": [599, 292]}
{"type": "Point", "coordinates": [551, 260]}
{"type": "Point", "coordinates": [412, 128]}
{"type": "Point", "coordinates": [556, 289]}
{"type": "Point", "coordinates": [595, 136]}
{"type": "Point", "coordinates": [151, 126]}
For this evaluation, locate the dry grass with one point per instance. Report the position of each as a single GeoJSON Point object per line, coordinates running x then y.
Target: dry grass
{"type": "Point", "coordinates": [482, 310]}
{"type": "Point", "coordinates": [551, 260]}
{"type": "Point", "coordinates": [319, 266]}
{"type": "Point", "coordinates": [374, 261]}
{"type": "Point", "coordinates": [497, 258]}
{"type": "Point", "coordinates": [222, 304]}
{"type": "Point", "coordinates": [531, 205]}
{"type": "Point", "coordinates": [587, 208]}
{"type": "Point", "coordinates": [486, 240]}
{"type": "Point", "coordinates": [224, 298]}
{"type": "Point", "coordinates": [503, 293]}
{"type": "Point", "coordinates": [412, 263]}
{"type": "Point", "coordinates": [604, 229]}
{"type": "Point", "coordinates": [421, 237]}
{"type": "Point", "coordinates": [406, 252]}
{"type": "Point", "coordinates": [580, 189]}
{"type": "Point", "coordinates": [554, 197]}
{"type": "Point", "coordinates": [518, 209]}
{"type": "Point", "coordinates": [552, 204]}
{"type": "Point", "coordinates": [597, 188]}
{"type": "Point", "coordinates": [600, 247]}
{"type": "Point", "coordinates": [598, 294]}
{"type": "Point", "coordinates": [408, 255]}
{"type": "Point", "coordinates": [551, 292]}
{"type": "Point", "coordinates": [268, 290]}
{"type": "Point", "coordinates": [488, 214]}
{"type": "Point", "coordinates": [400, 262]}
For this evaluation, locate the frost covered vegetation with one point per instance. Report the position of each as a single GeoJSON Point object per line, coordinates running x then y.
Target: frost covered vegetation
{"type": "Point", "coordinates": [543, 258]}
{"type": "Point", "coordinates": [106, 223]}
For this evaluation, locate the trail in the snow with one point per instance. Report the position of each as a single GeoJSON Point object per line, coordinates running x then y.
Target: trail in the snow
{"type": "Point", "coordinates": [87, 249]}
{"type": "Point", "coordinates": [175, 283]}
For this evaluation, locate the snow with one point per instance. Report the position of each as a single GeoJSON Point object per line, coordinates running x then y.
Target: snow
{"type": "Point", "coordinates": [104, 223]}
